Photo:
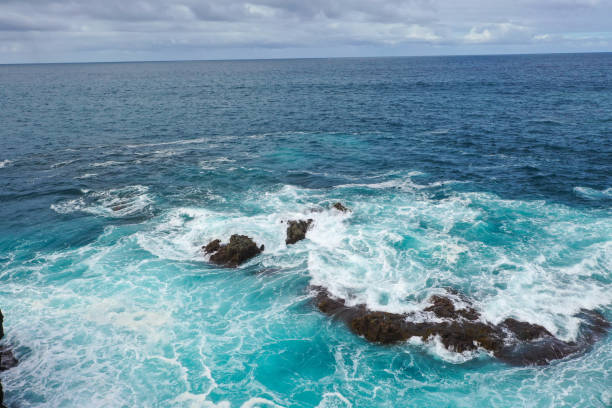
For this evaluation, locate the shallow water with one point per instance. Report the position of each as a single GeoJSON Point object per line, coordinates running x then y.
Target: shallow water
{"type": "Point", "coordinates": [489, 175]}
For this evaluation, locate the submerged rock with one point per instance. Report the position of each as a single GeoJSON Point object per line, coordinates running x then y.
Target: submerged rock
{"type": "Point", "coordinates": [239, 249]}
{"type": "Point", "coordinates": [296, 230]}
{"type": "Point", "coordinates": [338, 206]}
{"type": "Point", "coordinates": [459, 330]}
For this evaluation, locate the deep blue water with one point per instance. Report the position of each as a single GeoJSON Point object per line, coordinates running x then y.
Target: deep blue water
{"type": "Point", "coordinates": [491, 175]}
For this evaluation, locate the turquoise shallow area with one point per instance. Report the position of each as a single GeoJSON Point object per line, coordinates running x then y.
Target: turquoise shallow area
{"type": "Point", "coordinates": [489, 175]}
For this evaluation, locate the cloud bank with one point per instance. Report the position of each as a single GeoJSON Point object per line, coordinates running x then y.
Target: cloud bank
{"type": "Point", "coordinates": [111, 30]}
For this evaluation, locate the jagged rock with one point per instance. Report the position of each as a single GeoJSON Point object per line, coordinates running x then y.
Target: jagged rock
{"type": "Point", "coordinates": [513, 341]}
{"type": "Point", "coordinates": [296, 230]}
{"type": "Point", "coordinates": [338, 206]}
{"type": "Point", "coordinates": [1, 324]}
{"type": "Point", "coordinates": [239, 249]}
{"type": "Point", "coordinates": [213, 246]}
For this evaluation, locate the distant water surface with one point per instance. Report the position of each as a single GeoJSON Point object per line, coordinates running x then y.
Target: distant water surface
{"type": "Point", "coordinates": [489, 175]}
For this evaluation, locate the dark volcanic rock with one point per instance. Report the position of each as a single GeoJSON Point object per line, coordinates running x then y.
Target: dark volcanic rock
{"type": "Point", "coordinates": [381, 327]}
{"type": "Point", "coordinates": [338, 206]}
{"type": "Point", "coordinates": [513, 341]}
{"type": "Point", "coordinates": [296, 230]}
{"type": "Point", "coordinates": [525, 331]}
{"type": "Point", "coordinates": [239, 249]}
{"type": "Point", "coordinates": [213, 246]}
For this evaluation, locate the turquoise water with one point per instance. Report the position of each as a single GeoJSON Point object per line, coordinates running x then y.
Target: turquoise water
{"type": "Point", "coordinates": [490, 175]}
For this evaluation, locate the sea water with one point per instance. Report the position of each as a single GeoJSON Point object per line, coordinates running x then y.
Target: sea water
{"type": "Point", "coordinates": [488, 175]}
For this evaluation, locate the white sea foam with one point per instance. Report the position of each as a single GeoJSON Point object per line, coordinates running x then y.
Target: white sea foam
{"type": "Point", "coordinates": [123, 314]}
{"type": "Point", "coordinates": [5, 163]}
{"type": "Point", "coordinates": [396, 249]}
{"type": "Point", "coordinates": [405, 246]}
{"type": "Point", "coordinates": [334, 400]}
{"type": "Point", "coordinates": [114, 203]}
{"type": "Point", "coordinates": [434, 347]}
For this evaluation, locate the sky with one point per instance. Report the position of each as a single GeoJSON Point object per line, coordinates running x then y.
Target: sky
{"type": "Point", "coordinates": [142, 30]}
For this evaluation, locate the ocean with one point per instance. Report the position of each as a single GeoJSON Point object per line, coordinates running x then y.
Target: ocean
{"type": "Point", "coordinates": [490, 175]}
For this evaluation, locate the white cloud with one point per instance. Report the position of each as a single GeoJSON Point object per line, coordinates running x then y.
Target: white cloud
{"type": "Point", "coordinates": [496, 33]}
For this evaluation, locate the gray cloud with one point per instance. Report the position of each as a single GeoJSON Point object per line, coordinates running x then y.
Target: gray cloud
{"type": "Point", "coordinates": [65, 30]}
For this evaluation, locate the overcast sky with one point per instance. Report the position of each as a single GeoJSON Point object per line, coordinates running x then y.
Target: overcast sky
{"type": "Point", "coordinates": [126, 30]}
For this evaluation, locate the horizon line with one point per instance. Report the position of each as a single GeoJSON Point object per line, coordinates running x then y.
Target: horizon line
{"type": "Point", "coordinates": [303, 58]}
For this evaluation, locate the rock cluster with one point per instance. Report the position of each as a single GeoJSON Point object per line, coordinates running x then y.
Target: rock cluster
{"type": "Point", "coordinates": [239, 249]}
{"type": "Point", "coordinates": [461, 330]}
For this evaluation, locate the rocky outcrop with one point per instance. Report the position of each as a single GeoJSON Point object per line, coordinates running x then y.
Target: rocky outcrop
{"type": "Point", "coordinates": [296, 230]}
{"type": "Point", "coordinates": [461, 330]}
{"type": "Point", "coordinates": [338, 206]}
{"type": "Point", "coordinates": [7, 359]}
{"type": "Point", "coordinates": [239, 249]}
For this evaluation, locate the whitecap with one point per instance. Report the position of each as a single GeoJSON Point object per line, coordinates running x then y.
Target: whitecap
{"type": "Point", "coordinates": [174, 142]}
{"type": "Point", "coordinates": [62, 163]}
{"type": "Point", "coordinates": [86, 176]}
{"type": "Point", "coordinates": [106, 163]}
{"type": "Point", "coordinates": [593, 194]}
